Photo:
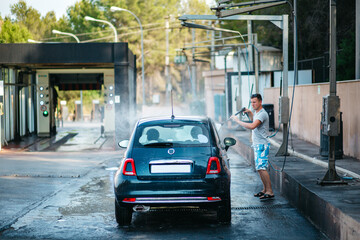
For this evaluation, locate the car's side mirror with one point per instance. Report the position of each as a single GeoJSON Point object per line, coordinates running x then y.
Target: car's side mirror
{"type": "Point", "coordinates": [229, 142]}
{"type": "Point", "coordinates": [124, 143]}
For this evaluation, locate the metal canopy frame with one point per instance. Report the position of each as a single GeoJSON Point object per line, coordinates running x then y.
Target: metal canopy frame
{"type": "Point", "coordinates": [281, 21]}
{"type": "Point", "coordinates": [237, 17]}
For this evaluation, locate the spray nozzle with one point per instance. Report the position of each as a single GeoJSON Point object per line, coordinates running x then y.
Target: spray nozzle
{"type": "Point", "coordinates": [241, 111]}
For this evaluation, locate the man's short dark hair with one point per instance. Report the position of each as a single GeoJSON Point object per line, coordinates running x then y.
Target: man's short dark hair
{"type": "Point", "coordinates": [257, 95]}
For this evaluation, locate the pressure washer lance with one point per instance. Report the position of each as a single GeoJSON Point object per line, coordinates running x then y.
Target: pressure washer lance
{"type": "Point", "coordinates": [241, 111]}
{"type": "Point", "coordinates": [237, 113]}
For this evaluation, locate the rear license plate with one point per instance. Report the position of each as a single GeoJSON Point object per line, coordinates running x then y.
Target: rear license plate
{"type": "Point", "coordinates": [170, 168]}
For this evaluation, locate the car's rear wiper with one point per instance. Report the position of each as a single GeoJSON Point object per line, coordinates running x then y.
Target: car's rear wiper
{"type": "Point", "coordinates": [159, 144]}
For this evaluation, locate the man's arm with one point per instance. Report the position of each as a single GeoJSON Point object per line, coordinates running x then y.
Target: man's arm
{"type": "Point", "coordinates": [251, 126]}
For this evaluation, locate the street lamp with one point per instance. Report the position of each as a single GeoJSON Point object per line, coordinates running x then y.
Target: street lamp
{"type": "Point", "coordinates": [78, 41]}
{"type": "Point", "coordinates": [65, 33]}
{"type": "Point", "coordinates": [33, 41]}
{"type": "Point", "coordinates": [87, 18]}
{"type": "Point", "coordinates": [114, 9]}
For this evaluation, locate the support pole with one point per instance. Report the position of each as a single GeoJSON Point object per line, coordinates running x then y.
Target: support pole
{"type": "Point", "coordinates": [193, 67]}
{"type": "Point", "coordinates": [226, 89]}
{"type": "Point", "coordinates": [250, 47]}
{"type": "Point", "coordinates": [284, 99]}
{"type": "Point", "coordinates": [212, 53]}
{"type": "Point", "coordinates": [256, 66]}
{"type": "Point", "coordinates": [295, 44]}
{"type": "Point", "coordinates": [167, 62]}
{"type": "Point", "coordinates": [332, 50]}
{"type": "Point", "coordinates": [331, 105]}
{"type": "Point", "coordinates": [81, 106]}
{"type": "Point", "coordinates": [239, 96]}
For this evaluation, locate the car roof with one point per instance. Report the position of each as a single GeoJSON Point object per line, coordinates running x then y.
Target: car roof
{"type": "Point", "coordinates": [174, 120]}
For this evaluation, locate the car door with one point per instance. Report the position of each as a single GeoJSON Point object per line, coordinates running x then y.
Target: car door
{"type": "Point", "coordinates": [220, 145]}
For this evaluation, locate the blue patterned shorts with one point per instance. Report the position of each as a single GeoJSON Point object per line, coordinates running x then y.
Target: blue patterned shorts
{"type": "Point", "coordinates": [261, 152]}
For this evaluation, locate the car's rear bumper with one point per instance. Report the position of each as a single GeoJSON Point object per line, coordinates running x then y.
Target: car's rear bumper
{"type": "Point", "coordinates": [193, 192]}
{"type": "Point", "coordinates": [172, 200]}
{"type": "Point", "coordinates": [155, 203]}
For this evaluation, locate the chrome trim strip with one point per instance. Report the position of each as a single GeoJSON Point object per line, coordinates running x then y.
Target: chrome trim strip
{"type": "Point", "coordinates": [176, 161]}
{"type": "Point", "coordinates": [174, 200]}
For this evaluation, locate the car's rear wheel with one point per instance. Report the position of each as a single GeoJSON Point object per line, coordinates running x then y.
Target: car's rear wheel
{"type": "Point", "coordinates": [224, 211]}
{"type": "Point", "coordinates": [123, 215]}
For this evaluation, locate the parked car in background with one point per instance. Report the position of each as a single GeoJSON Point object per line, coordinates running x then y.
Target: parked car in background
{"type": "Point", "coordinates": [173, 162]}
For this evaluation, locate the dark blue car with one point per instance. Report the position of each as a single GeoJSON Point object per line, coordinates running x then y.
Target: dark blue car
{"type": "Point", "coordinates": [173, 162]}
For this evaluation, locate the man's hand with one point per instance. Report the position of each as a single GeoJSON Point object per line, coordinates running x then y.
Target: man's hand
{"type": "Point", "coordinates": [234, 118]}
{"type": "Point", "coordinates": [247, 111]}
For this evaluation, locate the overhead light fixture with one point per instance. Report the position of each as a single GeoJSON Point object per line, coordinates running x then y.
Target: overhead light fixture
{"type": "Point", "coordinates": [231, 12]}
{"type": "Point", "coordinates": [33, 41]}
{"type": "Point", "coordinates": [65, 33]}
{"type": "Point", "coordinates": [224, 1]}
{"type": "Point", "coordinates": [200, 60]}
{"type": "Point", "coordinates": [193, 25]}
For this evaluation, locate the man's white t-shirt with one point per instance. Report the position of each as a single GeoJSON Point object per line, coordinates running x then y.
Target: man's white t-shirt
{"type": "Point", "coordinates": [259, 134]}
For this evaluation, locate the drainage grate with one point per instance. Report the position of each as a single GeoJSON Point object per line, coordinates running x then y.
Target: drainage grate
{"type": "Point", "coordinates": [178, 210]}
{"type": "Point", "coordinates": [262, 207]}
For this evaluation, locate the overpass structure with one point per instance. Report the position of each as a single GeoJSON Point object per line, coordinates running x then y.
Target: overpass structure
{"type": "Point", "coordinates": [30, 72]}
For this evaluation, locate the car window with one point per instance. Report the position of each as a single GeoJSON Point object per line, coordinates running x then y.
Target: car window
{"type": "Point", "coordinates": [175, 134]}
{"type": "Point", "coordinates": [217, 137]}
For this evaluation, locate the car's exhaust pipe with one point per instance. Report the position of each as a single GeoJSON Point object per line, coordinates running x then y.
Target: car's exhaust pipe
{"type": "Point", "coordinates": [141, 208]}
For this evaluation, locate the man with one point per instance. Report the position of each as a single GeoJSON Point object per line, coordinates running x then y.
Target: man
{"type": "Point", "coordinates": [261, 145]}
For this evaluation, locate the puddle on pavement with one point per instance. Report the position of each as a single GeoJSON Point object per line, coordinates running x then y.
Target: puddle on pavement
{"type": "Point", "coordinates": [92, 198]}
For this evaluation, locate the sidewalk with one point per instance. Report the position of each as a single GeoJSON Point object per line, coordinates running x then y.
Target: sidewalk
{"type": "Point", "coordinates": [334, 209]}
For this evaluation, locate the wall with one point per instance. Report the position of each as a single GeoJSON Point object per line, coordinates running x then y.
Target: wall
{"type": "Point", "coordinates": [214, 84]}
{"type": "Point", "coordinates": [307, 109]}
{"type": "Point", "coordinates": [304, 77]}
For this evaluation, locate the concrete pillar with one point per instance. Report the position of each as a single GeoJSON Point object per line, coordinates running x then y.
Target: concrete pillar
{"type": "Point", "coordinates": [124, 91]}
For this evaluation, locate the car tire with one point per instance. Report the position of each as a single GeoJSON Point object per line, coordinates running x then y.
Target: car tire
{"type": "Point", "coordinates": [224, 211]}
{"type": "Point", "coordinates": [123, 215]}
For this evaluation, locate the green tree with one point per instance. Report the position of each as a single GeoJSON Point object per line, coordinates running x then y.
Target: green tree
{"type": "Point", "coordinates": [28, 17]}
{"type": "Point", "coordinates": [31, 19]}
{"type": "Point", "coordinates": [87, 29]}
{"type": "Point", "coordinates": [345, 64]}
{"type": "Point", "coordinates": [13, 33]}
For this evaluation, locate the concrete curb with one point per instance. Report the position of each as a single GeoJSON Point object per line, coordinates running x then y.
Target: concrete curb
{"type": "Point", "coordinates": [323, 214]}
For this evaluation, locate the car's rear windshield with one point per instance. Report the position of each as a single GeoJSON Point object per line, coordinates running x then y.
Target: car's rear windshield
{"type": "Point", "coordinates": [172, 135]}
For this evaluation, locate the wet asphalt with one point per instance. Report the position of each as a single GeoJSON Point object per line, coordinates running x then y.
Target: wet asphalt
{"type": "Point", "coordinates": [68, 194]}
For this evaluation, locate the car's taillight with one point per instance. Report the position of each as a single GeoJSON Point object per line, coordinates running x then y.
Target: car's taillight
{"type": "Point", "coordinates": [213, 166]}
{"type": "Point", "coordinates": [129, 167]}
{"type": "Point", "coordinates": [129, 199]}
{"type": "Point", "coordinates": [213, 199]}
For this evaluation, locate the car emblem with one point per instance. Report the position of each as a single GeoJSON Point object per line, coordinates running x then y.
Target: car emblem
{"type": "Point", "coordinates": [171, 151]}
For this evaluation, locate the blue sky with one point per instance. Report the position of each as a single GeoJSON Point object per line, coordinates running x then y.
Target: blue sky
{"type": "Point", "coordinates": [43, 6]}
